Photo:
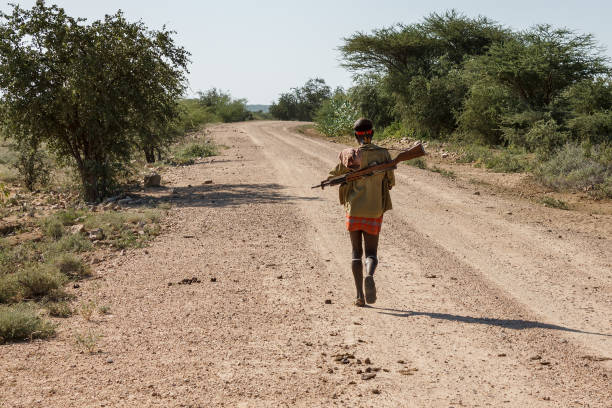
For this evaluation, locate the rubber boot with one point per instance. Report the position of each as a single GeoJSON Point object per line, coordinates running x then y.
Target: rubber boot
{"type": "Point", "coordinates": [370, 286]}
{"type": "Point", "coordinates": [357, 267]}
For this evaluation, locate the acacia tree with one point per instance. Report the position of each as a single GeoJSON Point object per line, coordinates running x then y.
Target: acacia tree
{"type": "Point", "coordinates": [538, 64]}
{"type": "Point", "coordinates": [87, 90]}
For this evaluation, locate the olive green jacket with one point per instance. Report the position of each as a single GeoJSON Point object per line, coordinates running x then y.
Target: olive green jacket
{"type": "Point", "coordinates": [368, 196]}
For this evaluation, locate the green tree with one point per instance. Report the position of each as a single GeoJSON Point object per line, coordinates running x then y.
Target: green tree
{"type": "Point", "coordinates": [420, 63]}
{"type": "Point", "coordinates": [537, 65]}
{"type": "Point", "coordinates": [86, 90]}
{"type": "Point", "coordinates": [302, 103]}
{"type": "Point", "coordinates": [373, 99]}
{"type": "Point", "coordinates": [224, 106]}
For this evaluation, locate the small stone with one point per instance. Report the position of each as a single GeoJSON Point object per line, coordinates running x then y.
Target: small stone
{"type": "Point", "coordinates": [367, 361]}
{"type": "Point", "coordinates": [279, 277]}
{"type": "Point", "coordinates": [169, 283]}
{"type": "Point", "coordinates": [208, 181]}
{"type": "Point", "coordinates": [400, 361]}
{"type": "Point", "coordinates": [536, 357]}
{"type": "Point", "coordinates": [96, 234]}
{"type": "Point", "coordinates": [330, 371]}
{"type": "Point", "coordinates": [76, 286]}
{"type": "Point", "coordinates": [109, 360]}
{"type": "Point", "coordinates": [368, 376]}
{"type": "Point", "coordinates": [152, 180]}
{"type": "Point", "coordinates": [444, 155]}
{"type": "Point", "coordinates": [501, 355]}
{"type": "Point", "coordinates": [213, 279]}
{"type": "Point", "coordinates": [376, 391]}
{"type": "Point", "coordinates": [328, 301]}
{"type": "Point", "coordinates": [125, 201]}
{"type": "Point", "coordinates": [476, 192]}
{"type": "Point", "coordinates": [77, 229]}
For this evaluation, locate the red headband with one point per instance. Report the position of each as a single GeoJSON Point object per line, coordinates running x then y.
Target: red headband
{"type": "Point", "coordinates": [365, 132]}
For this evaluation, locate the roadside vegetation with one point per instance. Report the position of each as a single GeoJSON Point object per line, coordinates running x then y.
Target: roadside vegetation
{"type": "Point", "coordinates": [535, 101]}
{"type": "Point", "coordinates": [79, 139]}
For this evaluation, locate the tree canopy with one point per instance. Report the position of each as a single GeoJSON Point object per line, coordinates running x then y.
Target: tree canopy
{"type": "Point", "coordinates": [91, 91]}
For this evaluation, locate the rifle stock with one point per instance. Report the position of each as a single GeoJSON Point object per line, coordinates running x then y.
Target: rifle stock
{"type": "Point", "coordinates": [412, 153]}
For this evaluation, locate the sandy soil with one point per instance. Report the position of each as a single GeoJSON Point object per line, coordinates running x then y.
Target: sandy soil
{"type": "Point", "coordinates": [482, 300]}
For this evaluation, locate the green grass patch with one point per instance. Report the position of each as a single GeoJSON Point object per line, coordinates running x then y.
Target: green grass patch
{"type": "Point", "coordinates": [576, 168]}
{"type": "Point", "coordinates": [554, 203]}
{"type": "Point", "coordinates": [38, 281]}
{"type": "Point", "coordinates": [59, 309]}
{"type": "Point", "coordinates": [22, 322]}
{"type": "Point", "coordinates": [72, 266]}
{"type": "Point", "coordinates": [419, 163]}
{"type": "Point", "coordinates": [185, 154]}
{"type": "Point", "coordinates": [449, 174]}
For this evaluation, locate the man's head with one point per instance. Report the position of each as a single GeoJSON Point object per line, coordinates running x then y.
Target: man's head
{"type": "Point", "coordinates": [363, 130]}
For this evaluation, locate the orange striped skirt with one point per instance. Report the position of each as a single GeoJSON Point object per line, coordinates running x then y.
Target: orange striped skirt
{"type": "Point", "coordinates": [370, 225]}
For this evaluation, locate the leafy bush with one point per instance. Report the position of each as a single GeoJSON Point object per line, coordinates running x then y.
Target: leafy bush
{"type": "Point", "coordinates": [301, 103]}
{"type": "Point", "coordinates": [507, 161]}
{"type": "Point", "coordinates": [336, 116]}
{"type": "Point", "coordinates": [419, 163]}
{"type": "Point", "coordinates": [72, 266]}
{"type": "Point", "coordinates": [70, 243]}
{"type": "Point", "coordinates": [59, 309]}
{"type": "Point", "coordinates": [33, 165]}
{"type": "Point", "coordinates": [91, 111]}
{"type": "Point", "coordinates": [594, 128]}
{"type": "Point", "coordinates": [9, 288]}
{"type": "Point", "coordinates": [21, 322]}
{"type": "Point", "coordinates": [39, 281]}
{"type": "Point", "coordinates": [226, 108]}
{"type": "Point", "coordinates": [196, 150]}
{"type": "Point", "coordinates": [554, 203]}
{"type": "Point", "coordinates": [53, 229]}
{"type": "Point", "coordinates": [482, 113]}
{"type": "Point", "coordinates": [571, 169]}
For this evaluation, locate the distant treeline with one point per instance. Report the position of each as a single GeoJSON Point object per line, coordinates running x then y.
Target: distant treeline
{"type": "Point", "coordinates": [545, 91]}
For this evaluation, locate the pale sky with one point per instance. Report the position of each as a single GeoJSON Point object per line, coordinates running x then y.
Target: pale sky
{"type": "Point", "coordinates": [259, 49]}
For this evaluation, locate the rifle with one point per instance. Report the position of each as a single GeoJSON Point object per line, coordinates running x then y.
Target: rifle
{"type": "Point", "coordinates": [412, 153]}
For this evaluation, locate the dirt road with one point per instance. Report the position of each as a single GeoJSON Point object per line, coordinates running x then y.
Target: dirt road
{"type": "Point", "coordinates": [482, 301]}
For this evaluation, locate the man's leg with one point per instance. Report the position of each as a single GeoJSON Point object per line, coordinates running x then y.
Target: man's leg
{"type": "Point", "coordinates": [371, 252]}
{"type": "Point", "coordinates": [357, 265]}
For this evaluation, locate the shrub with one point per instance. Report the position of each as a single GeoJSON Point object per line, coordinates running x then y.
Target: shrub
{"type": "Point", "coordinates": [420, 163]}
{"type": "Point", "coordinates": [71, 243]}
{"type": "Point", "coordinates": [33, 166]}
{"type": "Point", "coordinates": [507, 161]}
{"type": "Point", "coordinates": [53, 229]}
{"type": "Point", "coordinates": [473, 154]}
{"type": "Point", "coordinates": [21, 322]}
{"type": "Point", "coordinates": [39, 281]}
{"type": "Point", "coordinates": [196, 150]}
{"type": "Point", "coordinates": [444, 173]}
{"type": "Point", "coordinates": [72, 266]}
{"type": "Point", "coordinates": [554, 203]}
{"type": "Point", "coordinates": [59, 309]}
{"type": "Point", "coordinates": [87, 341]}
{"type": "Point", "coordinates": [9, 288]}
{"type": "Point", "coordinates": [336, 116]}
{"type": "Point", "coordinates": [570, 169]}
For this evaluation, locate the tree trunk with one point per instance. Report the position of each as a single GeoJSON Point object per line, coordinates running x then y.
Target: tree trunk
{"type": "Point", "coordinates": [149, 154]}
{"type": "Point", "coordinates": [89, 180]}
